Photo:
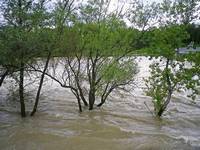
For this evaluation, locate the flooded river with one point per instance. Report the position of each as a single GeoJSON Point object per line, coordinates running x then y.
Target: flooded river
{"type": "Point", "coordinates": [123, 123]}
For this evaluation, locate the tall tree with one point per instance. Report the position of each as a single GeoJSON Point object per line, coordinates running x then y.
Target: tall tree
{"type": "Point", "coordinates": [19, 33]}
{"type": "Point", "coordinates": [61, 18]}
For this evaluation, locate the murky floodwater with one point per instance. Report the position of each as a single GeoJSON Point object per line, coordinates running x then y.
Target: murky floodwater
{"type": "Point", "coordinates": [123, 123]}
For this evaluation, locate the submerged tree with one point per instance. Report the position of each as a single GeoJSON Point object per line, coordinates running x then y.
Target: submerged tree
{"type": "Point", "coordinates": [99, 66]}
{"type": "Point", "coordinates": [61, 15]}
{"type": "Point", "coordinates": [19, 37]}
{"type": "Point", "coordinates": [94, 64]}
{"type": "Point", "coordinates": [170, 72]}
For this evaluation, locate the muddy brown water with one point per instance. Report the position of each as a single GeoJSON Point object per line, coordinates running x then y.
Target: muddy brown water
{"type": "Point", "coordinates": [123, 123]}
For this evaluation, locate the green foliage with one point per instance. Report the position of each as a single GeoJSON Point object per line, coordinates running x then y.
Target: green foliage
{"type": "Point", "coordinates": [94, 11]}
{"type": "Point", "coordinates": [166, 40]}
{"type": "Point", "coordinates": [164, 81]}
{"type": "Point", "coordinates": [192, 74]}
{"type": "Point", "coordinates": [14, 43]}
{"type": "Point", "coordinates": [94, 38]}
{"type": "Point", "coordinates": [158, 86]}
{"type": "Point", "coordinates": [21, 36]}
{"type": "Point", "coordinates": [119, 71]}
{"type": "Point", "coordinates": [143, 15]}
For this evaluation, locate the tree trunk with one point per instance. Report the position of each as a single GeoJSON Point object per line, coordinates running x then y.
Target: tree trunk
{"type": "Point", "coordinates": [79, 104]}
{"type": "Point", "coordinates": [40, 85]}
{"type": "Point", "coordinates": [103, 100]}
{"type": "Point", "coordinates": [163, 108]}
{"type": "Point", "coordinates": [100, 104]}
{"type": "Point", "coordinates": [170, 91]}
{"type": "Point", "coordinates": [3, 77]}
{"type": "Point", "coordinates": [81, 93]}
{"type": "Point", "coordinates": [84, 101]}
{"type": "Point", "coordinates": [105, 95]}
{"type": "Point", "coordinates": [91, 99]}
{"type": "Point", "coordinates": [21, 90]}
